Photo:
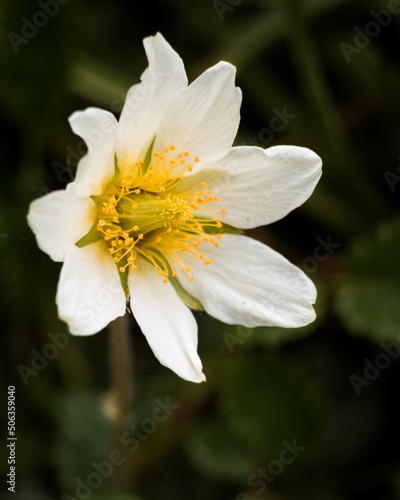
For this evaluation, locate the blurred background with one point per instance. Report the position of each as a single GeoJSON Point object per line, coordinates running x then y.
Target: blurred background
{"type": "Point", "coordinates": [307, 413]}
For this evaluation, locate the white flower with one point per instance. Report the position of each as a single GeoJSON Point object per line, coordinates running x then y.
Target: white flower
{"type": "Point", "coordinates": [149, 215]}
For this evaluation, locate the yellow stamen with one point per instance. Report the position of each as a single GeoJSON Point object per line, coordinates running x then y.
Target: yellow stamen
{"type": "Point", "coordinates": [150, 202]}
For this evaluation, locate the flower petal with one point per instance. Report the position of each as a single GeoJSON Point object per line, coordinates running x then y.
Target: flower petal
{"type": "Point", "coordinates": [97, 128]}
{"type": "Point", "coordinates": [167, 323]}
{"type": "Point", "coordinates": [250, 284]}
{"type": "Point", "coordinates": [145, 102]}
{"type": "Point", "coordinates": [204, 118]}
{"type": "Point", "coordinates": [89, 293]}
{"type": "Point", "coordinates": [59, 219]}
{"type": "Point", "coordinates": [263, 185]}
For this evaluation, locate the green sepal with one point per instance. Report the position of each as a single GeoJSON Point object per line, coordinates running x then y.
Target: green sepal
{"type": "Point", "coordinates": [123, 277]}
{"type": "Point", "coordinates": [91, 237]}
{"type": "Point", "coordinates": [224, 229]}
{"type": "Point", "coordinates": [186, 298]}
{"type": "Point", "coordinates": [147, 159]}
{"type": "Point", "coordinates": [99, 199]}
{"type": "Point", "coordinates": [117, 170]}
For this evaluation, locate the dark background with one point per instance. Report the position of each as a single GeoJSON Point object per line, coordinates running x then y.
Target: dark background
{"type": "Point", "coordinates": [331, 386]}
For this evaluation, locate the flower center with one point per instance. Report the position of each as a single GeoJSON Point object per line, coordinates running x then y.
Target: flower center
{"type": "Point", "coordinates": [151, 214]}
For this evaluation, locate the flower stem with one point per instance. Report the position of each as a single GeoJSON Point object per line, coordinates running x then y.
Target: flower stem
{"type": "Point", "coordinates": [122, 394]}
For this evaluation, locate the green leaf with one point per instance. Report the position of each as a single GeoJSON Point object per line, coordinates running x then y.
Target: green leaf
{"type": "Point", "coordinates": [266, 399]}
{"type": "Point", "coordinates": [217, 451]}
{"type": "Point", "coordinates": [83, 435]}
{"type": "Point", "coordinates": [91, 237]}
{"type": "Point", "coordinates": [368, 301]}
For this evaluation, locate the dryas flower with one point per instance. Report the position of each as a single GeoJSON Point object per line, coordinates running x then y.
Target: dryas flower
{"type": "Point", "coordinates": [151, 214]}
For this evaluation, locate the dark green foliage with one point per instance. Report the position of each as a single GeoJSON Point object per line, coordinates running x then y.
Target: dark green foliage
{"type": "Point", "coordinates": [266, 386]}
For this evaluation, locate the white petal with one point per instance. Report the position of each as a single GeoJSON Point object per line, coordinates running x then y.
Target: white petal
{"type": "Point", "coordinates": [163, 79]}
{"type": "Point", "coordinates": [167, 323]}
{"type": "Point", "coordinates": [250, 284]}
{"type": "Point", "coordinates": [60, 219]}
{"type": "Point", "coordinates": [97, 128]}
{"type": "Point", "coordinates": [263, 186]}
{"type": "Point", "coordinates": [204, 118]}
{"type": "Point", "coordinates": [89, 293]}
